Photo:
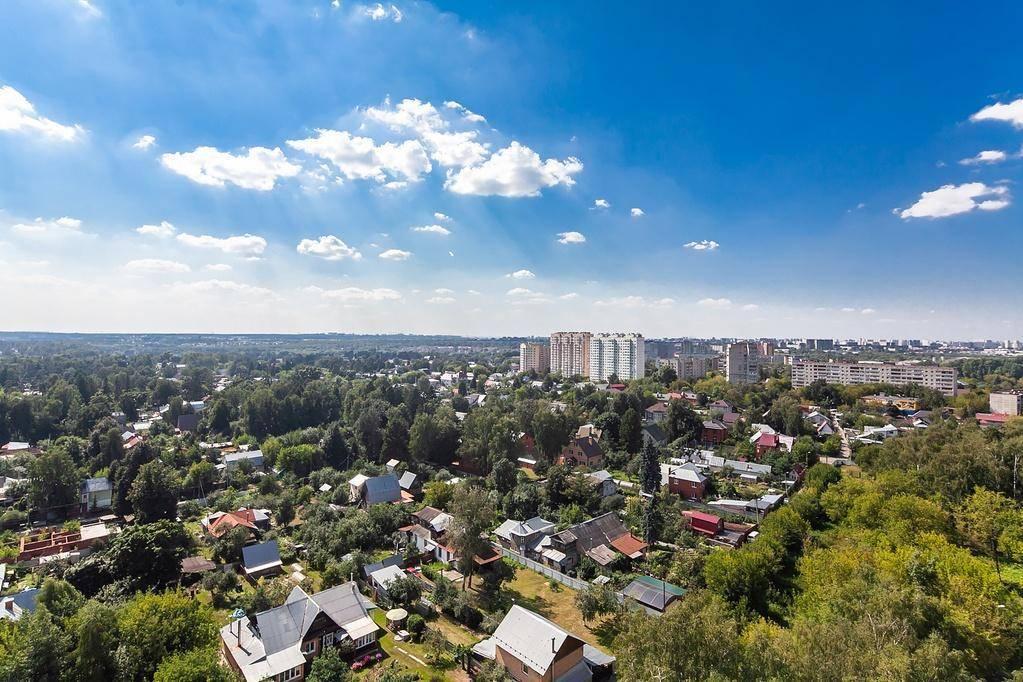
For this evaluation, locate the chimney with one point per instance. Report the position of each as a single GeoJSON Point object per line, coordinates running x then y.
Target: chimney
{"type": "Point", "coordinates": [553, 650]}
{"type": "Point", "coordinates": [239, 633]}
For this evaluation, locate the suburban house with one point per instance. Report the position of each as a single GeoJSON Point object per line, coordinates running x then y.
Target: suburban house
{"type": "Point", "coordinates": [713, 432]}
{"type": "Point", "coordinates": [252, 459]}
{"type": "Point", "coordinates": [261, 560]}
{"type": "Point", "coordinates": [764, 443]}
{"type": "Point", "coordinates": [582, 451]}
{"type": "Point", "coordinates": [16, 448]}
{"type": "Point", "coordinates": [986, 419]}
{"type": "Point", "coordinates": [604, 482]}
{"type": "Point", "coordinates": [715, 529]}
{"type": "Point", "coordinates": [429, 532]}
{"type": "Point", "coordinates": [97, 493]}
{"type": "Point", "coordinates": [654, 434]}
{"type": "Point", "coordinates": [685, 480]}
{"type": "Point", "coordinates": [48, 542]}
{"type": "Point", "coordinates": [15, 606]}
{"type": "Point", "coordinates": [528, 538]}
{"type": "Point", "coordinates": [601, 539]}
{"type": "Point", "coordinates": [382, 577]}
{"type": "Point", "coordinates": [188, 423]}
{"type": "Point", "coordinates": [531, 648]}
{"type": "Point", "coordinates": [219, 523]}
{"type": "Point", "coordinates": [370, 490]}
{"type": "Point", "coordinates": [527, 444]}
{"type": "Point", "coordinates": [653, 595]}
{"type": "Point", "coordinates": [409, 483]}
{"type": "Point", "coordinates": [278, 644]}
{"type": "Point", "coordinates": [656, 413]}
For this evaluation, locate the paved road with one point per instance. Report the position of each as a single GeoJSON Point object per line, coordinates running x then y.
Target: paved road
{"type": "Point", "coordinates": [846, 448]}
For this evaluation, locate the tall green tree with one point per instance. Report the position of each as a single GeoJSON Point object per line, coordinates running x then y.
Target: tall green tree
{"type": "Point", "coordinates": [472, 517]}
{"type": "Point", "coordinates": [154, 493]}
{"type": "Point", "coordinates": [631, 431]}
{"type": "Point", "coordinates": [54, 482]}
{"type": "Point", "coordinates": [650, 473]}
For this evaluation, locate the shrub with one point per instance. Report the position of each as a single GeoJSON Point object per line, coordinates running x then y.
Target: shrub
{"type": "Point", "coordinates": [416, 625]}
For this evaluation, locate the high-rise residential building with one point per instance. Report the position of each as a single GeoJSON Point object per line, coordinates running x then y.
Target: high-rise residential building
{"type": "Point", "coordinates": [534, 357]}
{"type": "Point", "coordinates": [1006, 402]}
{"type": "Point", "coordinates": [805, 372]}
{"type": "Point", "coordinates": [742, 362]}
{"type": "Point", "coordinates": [691, 365]}
{"type": "Point", "coordinates": [621, 355]}
{"type": "Point", "coordinates": [570, 353]}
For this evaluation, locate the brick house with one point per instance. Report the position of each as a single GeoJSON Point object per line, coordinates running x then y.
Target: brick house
{"type": "Point", "coordinates": [713, 433]}
{"type": "Point", "coordinates": [582, 451]}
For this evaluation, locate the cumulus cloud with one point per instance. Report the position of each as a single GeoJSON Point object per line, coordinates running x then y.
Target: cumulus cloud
{"type": "Point", "coordinates": [636, 212]}
{"type": "Point", "coordinates": [867, 311]}
{"type": "Point", "coordinates": [449, 149]}
{"type": "Point", "coordinates": [357, 294]}
{"type": "Point", "coordinates": [702, 245]}
{"type": "Point", "coordinates": [986, 156]}
{"type": "Point", "coordinates": [17, 114]}
{"type": "Point", "coordinates": [441, 217]}
{"type": "Point", "coordinates": [395, 254]}
{"type": "Point", "coordinates": [379, 12]}
{"type": "Point", "coordinates": [257, 168]}
{"type": "Point", "coordinates": [59, 227]}
{"type": "Point", "coordinates": [468, 115]}
{"type": "Point", "coordinates": [1007, 113]}
{"type": "Point", "coordinates": [514, 171]}
{"type": "Point", "coordinates": [443, 291]}
{"type": "Point", "coordinates": [218, 267]}
{"type": "Point", "coordinates": [601, 203]}
{"type": "Point", "coordinates": [144, 142]}
{"type": "Point", "coordinates": [716, 303]}
{"type": "Point", "coordinates": [246, 245]}
{"type": "Point", "coordinates": [155, 266]}
{"type": "Point", "coordinates": [328, 247]}
{"type": "Point", "coordinates": [432, 229]}
{"type": "Point", "coordinates": [569, 296]}
{"type": "Point", "coordinates": [950, 200]}
{"type": "Point", "coordinates": [360, 158]}
{"type": "Point", "coordinates": [751, 306]}
{"type": "Point", "coordinates": [521, 274]}
{"type": "Point", "coordinates": [163, 230]}
{"type": "Point", "coordinates": [456, 149]}
{"type": "Point", "coordinates": [635, 302]}
{"type": "Point", "coordinates": [523, 296]}
{"type": "Point", "coordinates": [571, 238]}
{"type": "Point", "coordinates": [440, 299]}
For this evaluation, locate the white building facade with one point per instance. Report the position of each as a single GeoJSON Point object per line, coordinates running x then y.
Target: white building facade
{"type": "Point", "coordinates": [805, 372]}
{"type": "Point", "coordinates": [621, 355]}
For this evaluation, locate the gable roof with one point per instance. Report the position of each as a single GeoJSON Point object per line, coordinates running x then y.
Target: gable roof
{"type": "Point", "coordinates": [285, 626]}
{"type": "Point", "coordinates": [244, 518]}
{"type": "Point", "coordinates": [652, 592]}
{"type": "Point", "coordinates": [379, 489]}
{"type": "Point", "coordinates": [407, 480]}
{"type": "Point", "coordinates": [600, 530]}
{"type": "Point", "coordinates": [96, 485]}
{"type": "Point", "coordinates": [263, 555]}
{"type": "Point", "coordinates": [531, 638]}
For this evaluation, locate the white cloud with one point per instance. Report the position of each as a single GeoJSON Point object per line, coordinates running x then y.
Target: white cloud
{"type": "Point", "coordinates": [569, 296]}
{"type": "Point", "coordinates": [395, 254]}
{"type": "Point", "coordinates": [635, 302]}
{"type": "Point", "coordinates": [257, 168]}
{"type": "Point", "coordinates": [144, 142]}
{"type": "Point", "coordinates": [17, 114]}
{"type": "Point", "coordinates": [468, 115]}
{"type": "Point", "coordinates": [210, 286]}
{"type": "Point", "coordinates": [446, 148]}
{"type": "Point", "coordinates": [60, 227]}
{"type": "Point", "coordinates": [636, 212]}
{"type": "Point", "coordinates": [1008, 113]}
{"type": "Point", "coordinates": [848, 310]}
{"type": "Point", "coordinates": [571, 238]}
{"type": "Point", "coordinates": [155, 266]}
{"type": "Point", "coordinates": [751, 306]}
{"type": "Point", "coordinates": [379, 12]}
{"type": "Point", "coordinates": [867, 311]}
{"type": "Point", "coordinates": [702, 245]}
{"type": "Point", "coordinates": [441, 217]}
{"type": "Point", "coordinates": [90, 10]}
{"type": "Point", "coordinates": [521, 274]}
{"type": "Point", "coordinates": [163, 230]}
{"type": "Point", "coordinates": [360, 158]}
{"type": "Point", "coordinates": [357, 294]}
{"type": "Point", "coordinates": [716, 303]}
{"type": "Point", "coordinates": [456, 149]}
{"type": "Point", "coordinates": [515, 171]}
{"type": "Point", "coordinates": [218, 267]}
{"type": "Point", "coordinates": [440, 299]}
{"type": "Point", "coordinates": [472, 292]}
{"type": "Point", "coordinates": [328, 247]}
{"type": "Point", "coordinates": [247, 245]}
{"type": "Point", "coordinates": [601, 203]}
{"type": "Point", "coordinates": [443, 291]}
{"type": "Point", "coordinates": [432, 229]}
{"type": "Point", "coordinates": [408, 114]}
{"type": "Point", "coordinates": [523, 296]}
{"type": "Point", "coordinates": [986, 156]}
{"type": "Point", "coordinates": [951, 200]}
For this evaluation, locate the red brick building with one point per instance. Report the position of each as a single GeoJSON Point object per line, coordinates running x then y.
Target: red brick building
{"type": "Point", "coordinates": [585, 451]}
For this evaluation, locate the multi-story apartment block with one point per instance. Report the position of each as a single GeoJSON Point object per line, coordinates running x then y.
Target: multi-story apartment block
{"type": "Point", "coordinates": [742, 362]}
{"type": "Point", "coordinates": [691, 365]}
{"type": "Point", "coordinates": [1007, 402]}
{"type": "Point", "coordinates": [805, 372]}
{"type": "Point", "coordinates": [621, 355]}
{"type": "Point", "coordinates": [534, 357]}
{"type": "Point", "coordinates": [570, 353]}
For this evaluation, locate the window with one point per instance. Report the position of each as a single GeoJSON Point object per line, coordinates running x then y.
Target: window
{"type": "Point", "coordinates": [309, 647]}
{"type": "Point", "coordinates": [292, 674]}
{"type": "Point", "coordinates": [525, 669]}
{"type": "Point", "coordinates": [328, 639]}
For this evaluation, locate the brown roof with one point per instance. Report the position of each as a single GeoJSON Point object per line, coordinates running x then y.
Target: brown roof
{"type": "Point", "coordinates": [589, 446]}
{"type": "Point", "coordinates": [196, 564]}
{"type": "Point", "coordinates": [244, 518]}
{"type": "Point", "coordinates": [629, 545]}
{"type": "Point", "coordinates": [427, 514]}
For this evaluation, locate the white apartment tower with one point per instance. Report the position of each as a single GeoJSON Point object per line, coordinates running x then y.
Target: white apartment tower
{"type": "Point", "coordinates": [621, 355]}
{"type": "Point", "coordinates": [570, 353]}
{"type": "Point", "coordinates": [535, 357]}
{"type": "Point", "coordinates": [742, 362]}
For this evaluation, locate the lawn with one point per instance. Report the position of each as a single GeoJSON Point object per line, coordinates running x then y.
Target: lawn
{"type": "Point", "coordinates": [415, 657]}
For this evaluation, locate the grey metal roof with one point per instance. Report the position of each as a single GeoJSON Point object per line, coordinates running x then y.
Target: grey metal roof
{"type": "Point", "coordinates": [408, 479]}
{"type": "Point", "coordinates": [261, 554]}
{"type": "Point", "coordinates": [531, 638]}
{"type": "Point", "coordinates": [381, 489]}
{"type": "Point", "coordinates": [393, 560]}
{"type": "Point", "coordinates": [286, 625]}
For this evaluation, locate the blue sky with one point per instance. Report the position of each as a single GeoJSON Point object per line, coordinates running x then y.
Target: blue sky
{"type": "Point", "coordinates": [262, 167]}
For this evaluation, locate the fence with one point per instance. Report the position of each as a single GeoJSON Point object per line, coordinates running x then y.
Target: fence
{"type": "Point", "coordinates": [566, 580]}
